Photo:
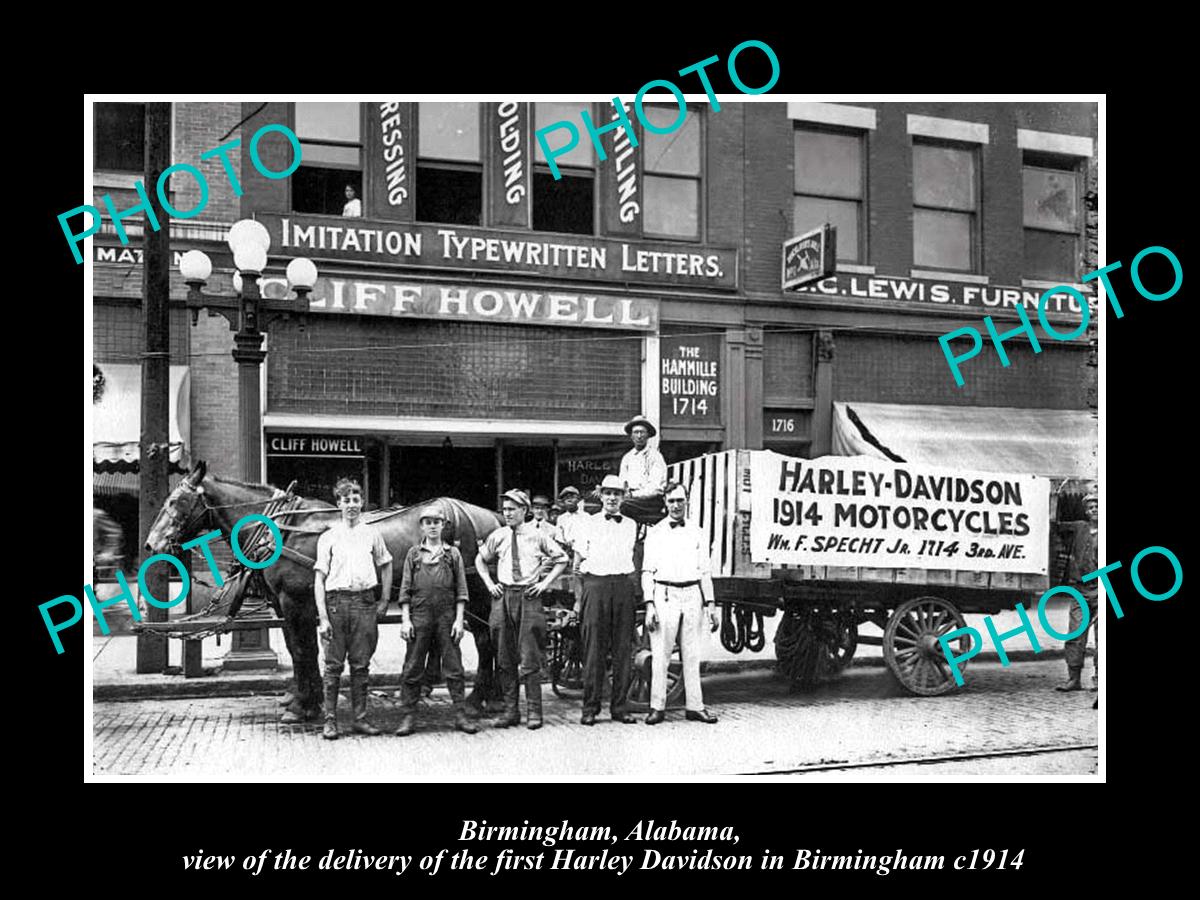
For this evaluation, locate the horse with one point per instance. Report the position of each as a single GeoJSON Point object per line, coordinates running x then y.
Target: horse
{"type": "Point", "coordinates": [202, 502]}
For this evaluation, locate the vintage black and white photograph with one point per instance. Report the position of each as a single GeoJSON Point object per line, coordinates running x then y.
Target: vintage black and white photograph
{"type": "Point", "coordinates": [465, 439]}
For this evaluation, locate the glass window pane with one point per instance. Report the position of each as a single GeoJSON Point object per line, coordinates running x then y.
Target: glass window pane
{"type": "Point", "coordinates": [1051, 256]}
{"type": "Point", "coordinates": [677, 152]}
{"type": "Point", "coordinates": [1051, 200]}
{"type": "Point", "coordinates": [547, 114]}
{"type": "Point", "coordinates": [943, 177]}
{"type": "Point", "coordinates": [119, 136]}
{"type": "Point", "coordinates": [328, 155]}
{"type": "Point", "coordinates": [448, 131]}
{"type": "Point", "coordinates": [672, 206]}
{"type": "Point", "coordinates": [828, 164]}
{"type": "Point", "coordinates": [941, 240]}
{"type": "Point", "coordinates": [813, 212]}
{"type": "Point", "coordinates": [331, 121]}
{"type": "Point", "coordinates": [564, 205]}
{"type": "Point", "coordinates": [451, 196]}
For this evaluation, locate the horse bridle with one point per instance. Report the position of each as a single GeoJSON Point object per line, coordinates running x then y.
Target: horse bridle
{"type": "Point", "coordinates": [208, 508]}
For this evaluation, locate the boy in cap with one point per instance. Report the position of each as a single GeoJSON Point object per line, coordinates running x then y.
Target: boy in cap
{"type": "Point", "coordinates": [518, 619]}
{"type": "Point", "coordinates": [433, 598]}
{"type": "Point", "coordinates": [351, 560]}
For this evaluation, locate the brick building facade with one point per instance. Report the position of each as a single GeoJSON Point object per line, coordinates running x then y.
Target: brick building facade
{"type": "Point", "coordinates": [482, 326]}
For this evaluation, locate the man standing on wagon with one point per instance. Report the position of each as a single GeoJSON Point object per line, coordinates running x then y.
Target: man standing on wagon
{"type": "Point", "coordinates": [644, 472]}
{"type": "Point", "coordinates": [351, 559]}
{"type": "Point", "coordinates": [518, 619]}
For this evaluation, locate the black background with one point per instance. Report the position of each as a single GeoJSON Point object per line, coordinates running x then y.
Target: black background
{"type": "Point", "coordinates": [136, 834]}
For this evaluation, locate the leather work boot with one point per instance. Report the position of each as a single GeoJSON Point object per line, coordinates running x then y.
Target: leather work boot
{"type": "Point", "coordinates": [512, 701]}
{"type": "Point", "coordinates": [407, 726]}
{"type": "Point", "coordinates": [330, 733]}
{"type": "Point", "coordinates": [358, 695]}
{"type": "Point", "coordinates": [533, 701]}
{"type": "Point", "coordinates": [462, 723]}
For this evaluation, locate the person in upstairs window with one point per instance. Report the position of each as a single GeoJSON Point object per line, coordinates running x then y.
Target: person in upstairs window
{"type": "Point", "coordinates": [353, 207]}
{"type": "Point", "coordinates": [644, 472]}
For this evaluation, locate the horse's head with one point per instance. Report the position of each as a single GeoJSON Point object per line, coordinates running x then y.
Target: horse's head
{"type": "Point", "coordinates": [181, 513]}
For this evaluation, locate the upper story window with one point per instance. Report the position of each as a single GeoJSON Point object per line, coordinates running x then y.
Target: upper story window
{"type": "Point", "coordinates": [449, 163]}
{"type": "Point", "coordinates": [672, 173]}
{"type": "Point", "coordinates": [829, 187]}
{"type": "Point", "coordinates": [1051, 216]}
{"type": "Point", "coordinates": [568, 204]}
{"type": "Point", "coordinates": [329, 179]}
{"type": "Point", "coordinates": [945, 206]}
{"type": "Point", "coordinates": [118, 137]}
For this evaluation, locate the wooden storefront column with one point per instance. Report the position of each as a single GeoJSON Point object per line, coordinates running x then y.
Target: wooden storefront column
{"type": "Point", "coordinates": [822, 420]}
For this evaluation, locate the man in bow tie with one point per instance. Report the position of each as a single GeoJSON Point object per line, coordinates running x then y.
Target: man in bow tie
{"type": "Point", "coordinates": [678, 588]}
{"type": "Point", "coordinates": [604, 548]}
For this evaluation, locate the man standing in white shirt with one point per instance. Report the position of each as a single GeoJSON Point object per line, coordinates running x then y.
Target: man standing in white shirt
{"type": "Point", "coordinates": [606, 606]}
{"type": "Point", "coordinates": [677, 584]}
{"type": "Point", "coordinates": [644, 472]}
{"type": "Point", "coordinates": [351, 559]}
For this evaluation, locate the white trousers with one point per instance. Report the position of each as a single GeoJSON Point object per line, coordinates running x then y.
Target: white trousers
{"type": "Point", "coordinates": [680, 612]}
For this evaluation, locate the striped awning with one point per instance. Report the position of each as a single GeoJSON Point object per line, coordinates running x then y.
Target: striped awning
{"type": "Point", "coordinates": [121, 484]}
{"type": "Point", "coordinates": [1056, 443]}
{"type": "Point", "coordinates": [117, 418]}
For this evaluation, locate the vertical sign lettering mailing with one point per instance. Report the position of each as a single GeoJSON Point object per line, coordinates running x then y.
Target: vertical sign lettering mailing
{"type": "Point", "coordinates": [862, 511]}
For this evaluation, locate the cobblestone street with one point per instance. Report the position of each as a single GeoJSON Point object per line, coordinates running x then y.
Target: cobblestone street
{"type": "Point", "coordinates": [862, 718]}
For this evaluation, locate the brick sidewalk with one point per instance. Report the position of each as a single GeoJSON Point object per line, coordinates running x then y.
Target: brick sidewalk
{"type": "Point", "coordinates": [862, 717]}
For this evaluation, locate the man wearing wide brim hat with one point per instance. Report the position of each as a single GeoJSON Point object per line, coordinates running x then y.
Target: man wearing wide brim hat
{"type": "Point", "coordinates": [644, 473]}
{"type": "Point", "coordinates": [518, 619]}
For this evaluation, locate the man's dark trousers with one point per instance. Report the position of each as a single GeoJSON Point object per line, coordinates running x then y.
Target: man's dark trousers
{"type": "Point", "coordinates": [518, 627]}
{"type": "Point", "coordinates": [606, 619]}
{"type": "Point", "coordinates": [352, 615]}
{"type": "Point", "coordinates": [431, 621]}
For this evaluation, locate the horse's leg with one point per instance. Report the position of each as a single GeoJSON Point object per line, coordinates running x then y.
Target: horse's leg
{"type": "Point", "coordinates": [300, 634]}
{"type": "Point", "coordinates": [485, 687]}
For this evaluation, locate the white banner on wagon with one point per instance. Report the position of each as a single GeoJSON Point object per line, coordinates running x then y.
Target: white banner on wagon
{"type": "Point", "coordinates": [864, 511]}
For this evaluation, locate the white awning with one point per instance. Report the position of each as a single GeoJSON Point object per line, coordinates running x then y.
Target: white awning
{"type": "Point", "coordinates": [1057, 443]}
{"type": "Point", "coordinates": [117, 415]}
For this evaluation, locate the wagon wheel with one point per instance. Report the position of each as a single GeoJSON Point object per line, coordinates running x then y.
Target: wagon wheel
{"type": "Point", "coordinates": [638, 698]}
{"type": "Point", "coordinates": [911, 647]}
{"type": "Point", "coordinates": [564, 658]}
{"type": "Point", "coordinates": [812, 645]}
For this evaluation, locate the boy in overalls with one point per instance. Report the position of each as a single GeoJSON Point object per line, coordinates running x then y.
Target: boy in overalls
{"type": "Point", "coordinates": [433, 596]}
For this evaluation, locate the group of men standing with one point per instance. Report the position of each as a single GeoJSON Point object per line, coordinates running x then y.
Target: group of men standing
{"type": "Point", "coordinates": [641, 515]}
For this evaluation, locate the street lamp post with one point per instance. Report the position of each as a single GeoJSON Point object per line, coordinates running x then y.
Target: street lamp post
{"type": "Point", "coordinates": [249, 315]}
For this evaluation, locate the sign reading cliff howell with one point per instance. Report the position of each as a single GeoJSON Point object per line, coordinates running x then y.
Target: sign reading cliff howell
{"type": "Point", "coordinates": [474, 303]}
{"type": "Point", "coordinates": [862, 511]}
{"type": "Point", "coordinates": [513, 252]}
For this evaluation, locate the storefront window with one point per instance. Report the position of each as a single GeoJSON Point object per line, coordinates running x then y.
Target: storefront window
{"type": "Point", "coordinates": [568, 203]}
{"type": "Point", "coordinates": [829, 187]}
{"type": "Point", "coordinates": [118, 136]}
{"type": "Point", "coordinates": [1051, 215]}
{"type": "Point", "coordinates": [672, 173]}
{"type": "Point", "coordinates": [945, 203]}
{"type": "Point", "coordinates": [449, 163]}
{"type": "Point", "coordinates": [331, 146]}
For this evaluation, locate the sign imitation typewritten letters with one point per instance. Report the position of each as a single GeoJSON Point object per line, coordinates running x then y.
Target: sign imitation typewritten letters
{"type": "Point", "coordinates": [862, 511]}
{"type": "Point", "coordinates": [518, 253]}
{"type": "Point", "coordinates": [474, 303]}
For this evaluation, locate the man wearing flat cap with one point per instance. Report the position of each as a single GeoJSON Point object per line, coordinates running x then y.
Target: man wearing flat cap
{"type": "Point", "coordinates": [1082, 560]}
{"type": "Point", "coordinates": [433, 598]}
{"type": "Point", "coordinates": [570, 519]}
{"type": "Point", "coordinates": [644, 472]}
{"type": "Point", "coordinates": [604, 549]}
{"type": "Point", "coordinates": [518, 619]}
